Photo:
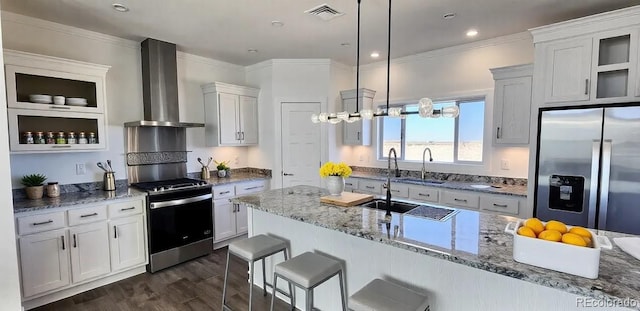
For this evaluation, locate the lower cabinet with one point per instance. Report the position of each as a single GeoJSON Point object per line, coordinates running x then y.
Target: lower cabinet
{"type": "Point", "coordinates": [224, 215]}
{"type": "Point", "coordinates": [126, 239]}
{"type": "Point", "coordinates": [231, 220]}
{"type": "Point", "coordinates": [44, 261]}
{"type": "Point", "coordinates": [89, 245]}
{"type": "Point", "coordinates": [85, 246]}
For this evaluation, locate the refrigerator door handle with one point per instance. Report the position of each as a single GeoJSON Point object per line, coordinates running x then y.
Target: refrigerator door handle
{"type": "Point", "coordinates": [604, 185]}
{"type": "Point", "coordinates": [593, 188]}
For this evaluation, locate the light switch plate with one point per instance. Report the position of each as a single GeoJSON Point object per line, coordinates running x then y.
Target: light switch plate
{"type": "Point", "coordinates": [504, 164]}
{"type": "Point", "coordinates": [80, 169]}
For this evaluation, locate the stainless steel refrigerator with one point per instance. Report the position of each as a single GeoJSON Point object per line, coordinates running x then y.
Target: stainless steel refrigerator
{"type": "Point", "coordinates": [588, 167]}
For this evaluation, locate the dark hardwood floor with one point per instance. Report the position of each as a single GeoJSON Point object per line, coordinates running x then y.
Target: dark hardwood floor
{"type": "Point", "coordinates": [194, 285]}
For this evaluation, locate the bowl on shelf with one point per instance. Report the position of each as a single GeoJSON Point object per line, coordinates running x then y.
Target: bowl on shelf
{"type": "Point", "coordinates": [77, 101]}
{"type": "Point", "coordinates": [58, 100]}
{"type": "Point", "coordinates": [40, 99]}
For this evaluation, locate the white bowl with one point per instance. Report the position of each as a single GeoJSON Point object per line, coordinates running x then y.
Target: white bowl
{"type": "Point", "coordinates": [58, 100]}
{"type": "Point", "coordinates": [40, 99]}
{"type": "Point", "coordinates": [76, 101]}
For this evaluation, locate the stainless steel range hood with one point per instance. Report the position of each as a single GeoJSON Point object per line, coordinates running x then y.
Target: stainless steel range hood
{"type": "Point", "coordinates": [160, 86]}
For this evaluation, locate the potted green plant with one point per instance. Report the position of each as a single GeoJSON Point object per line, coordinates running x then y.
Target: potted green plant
{"type": "Point", "coordinates": [34, 185]}
{"type": "Point", "coordinates": [222, 168]}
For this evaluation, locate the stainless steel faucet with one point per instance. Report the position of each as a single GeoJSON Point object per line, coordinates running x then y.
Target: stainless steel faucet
{"type": "Point", "coordinates": [424, 170]}
{"type": "Point", "coordinates": [388, 184]}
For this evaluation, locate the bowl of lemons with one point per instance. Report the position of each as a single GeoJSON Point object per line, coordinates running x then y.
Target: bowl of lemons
{"type": "Point", "coordinates": [557, 246]}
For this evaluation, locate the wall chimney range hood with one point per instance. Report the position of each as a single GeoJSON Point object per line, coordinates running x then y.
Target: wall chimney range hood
{"type": "Point", "coordinates": [160, 86]}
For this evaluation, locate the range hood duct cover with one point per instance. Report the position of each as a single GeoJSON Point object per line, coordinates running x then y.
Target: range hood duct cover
{"type": "Point", "coordinates": [160, 86]}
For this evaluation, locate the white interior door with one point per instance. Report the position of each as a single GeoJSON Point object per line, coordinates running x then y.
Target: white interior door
{"type": "Point", "coordinates": [301, 152]}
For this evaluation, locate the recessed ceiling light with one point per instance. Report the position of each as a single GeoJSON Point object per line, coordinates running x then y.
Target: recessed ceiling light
{"type": "Point", "coordinates": [252, 50]}
{"type": "Point", "coordinates": [120, 7]}
{"type": "Point", "coordinates": [472, 33]}
{"type": "Point", "coordinates": [375, 54]}
{"type": "Point", "coordinates": [449, 15]}
{"type": "Point", "coordinates": [277, 23]}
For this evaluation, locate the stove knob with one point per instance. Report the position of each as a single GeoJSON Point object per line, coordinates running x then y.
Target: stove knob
{"type": "Point", "coordinates": [155, 189]}
{"type": "Point", "coordinates": [161, 189]}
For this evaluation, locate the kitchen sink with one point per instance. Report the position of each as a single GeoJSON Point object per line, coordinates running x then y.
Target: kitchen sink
{"type": "Point", "coordinates": [396, 206]}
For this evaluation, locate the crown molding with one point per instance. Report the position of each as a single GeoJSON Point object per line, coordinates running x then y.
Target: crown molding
{"type": "Point", "coordinates": [342, 66]}
{"type": "Point", "coordinates": [521, 36]}
{"type": "Point", "coordinates": [192, 58]}
{"type": "Point", "coordinates": [259, 66]}
{"type": "Point", "coordinates": [69, 30]}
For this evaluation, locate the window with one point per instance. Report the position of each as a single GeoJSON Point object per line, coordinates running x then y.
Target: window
{"type": "Point", "coordinates": [456, 140]}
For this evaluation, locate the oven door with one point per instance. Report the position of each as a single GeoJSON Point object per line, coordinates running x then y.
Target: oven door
{"type": "Point", "coordinates": [179, 222]}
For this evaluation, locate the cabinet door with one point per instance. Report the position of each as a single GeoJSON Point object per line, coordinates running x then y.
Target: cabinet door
{"type": "Point", "coordinates": [89, 251]}
{"type": "Point", "coordinates": [357, 133]}
{"type": "Point", "coordinates": [44, 261]}
{"type": "Point", "coordinates": [249, 120]}
{"type": "Point", "coordinates": [568, 70]}
{"type": "Point", "coordinates": [126, 236]}
{"type": "Point", "coordinates": [224, 221]}
{"type": "Point", "coordinates": [228, 119]}
{"type": "Point", "coordinates": [242, 220]}
{"type": "Point", "coordinates": [512, 106]}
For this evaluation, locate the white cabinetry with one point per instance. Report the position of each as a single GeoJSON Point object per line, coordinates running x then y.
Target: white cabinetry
{"type": "Point", "coordinates": [231, 220]}
{"type": "Point", "coordinates": [30, 74]}
{"type": "Point", "coordinates": [56, 255]}
{"type": "Point", "coordinates": [593, 60]}
{"type": "Point", "coordinates": [512, 104]}
{"type": "Point", "coordinates": [357, 133]}
{"type": "Point", "coordinates": [231, 114]}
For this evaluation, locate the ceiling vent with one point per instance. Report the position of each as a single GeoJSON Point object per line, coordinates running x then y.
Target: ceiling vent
{"type": "Point", "coordinates": [325, 12]}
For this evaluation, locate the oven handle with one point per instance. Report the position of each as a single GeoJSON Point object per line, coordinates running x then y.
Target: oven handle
{"type": "Point", "coordinates": [180, 202]}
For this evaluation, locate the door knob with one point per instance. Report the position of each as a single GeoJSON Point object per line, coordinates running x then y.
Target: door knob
{"type": "Point", "coordinates": [286, 174]}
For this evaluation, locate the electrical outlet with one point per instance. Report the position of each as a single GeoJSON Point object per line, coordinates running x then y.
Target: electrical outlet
{"type": "Point", "coordinates": [80, 169]}
{"type": "Point", "coordinates": [236, 161]}
{"type": "Point", "coordinates": [504, 164]}
{"type": "Point", "coordinates": [361, 158]}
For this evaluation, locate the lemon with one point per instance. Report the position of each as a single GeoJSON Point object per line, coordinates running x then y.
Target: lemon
{"type": "Point", "coordinates": [573, 239]}
{"type": "Point", "coordinates": [581, 232]}
{"type": "Point", "coordinates": [556, 225]}
{"type": "Point", "coordinates": [535, 224]}
{"type": "Point", "coordinates": [526, 231]}
{"type": "Point", "coordinates": [588, 241]}
{"type": "Point", "coordinates": [550, 235]}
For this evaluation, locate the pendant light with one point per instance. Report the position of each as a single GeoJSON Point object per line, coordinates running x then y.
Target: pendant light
{"type": "Point", "coordinates": [425, 105]}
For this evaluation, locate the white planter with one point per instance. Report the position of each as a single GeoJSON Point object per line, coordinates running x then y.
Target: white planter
{"type": "Point", "coordinates": [335, 185]}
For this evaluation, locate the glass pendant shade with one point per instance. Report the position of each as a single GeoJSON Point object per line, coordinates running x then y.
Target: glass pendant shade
{"type": "Point", "coordinates": [314, 118]}
{"type": "Point", "coordinates": [395, 112]}
{"type": "Point", "coordinates": [323, 117]}
{"type": "Point", "coordinates": [344, 116]}
{"type": "Point", "coordinates": [450, 112]}
{"type": "Point", "coordinates": [334, 119]}
{"type": "Point", "coordinates": [425, 107]}
{"type": "Point", "coordinates": [366, 114]}
{"type": "Point", "coordinates": [353, 118]}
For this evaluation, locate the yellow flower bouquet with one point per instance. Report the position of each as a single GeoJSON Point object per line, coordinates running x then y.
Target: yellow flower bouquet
{"type": "Point", "coordinates": [335, 169]}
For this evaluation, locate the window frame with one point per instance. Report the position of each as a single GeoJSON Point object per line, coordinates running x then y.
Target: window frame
{"type": "Point", "coordinates": [456, 130]}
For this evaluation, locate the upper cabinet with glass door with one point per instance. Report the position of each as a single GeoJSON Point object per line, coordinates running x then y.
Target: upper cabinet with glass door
{"type": "Point", "coordinates": [54, 95]}
{"type": "Point", "coordinates": [591, 60]}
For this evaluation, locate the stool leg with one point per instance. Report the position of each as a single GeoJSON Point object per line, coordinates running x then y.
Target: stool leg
{"type": "Point", "coordinates": [273, 295]}
{"type": "Point", "coordinates": [264, 279]}
{"type": "Point", "coordinates": [224, 286]}
{"type": "Point", "coordinates": [251, 285]}
{"type": "Point", "coordinates": [309, 300]}
{"type": "Point", "coordinates": [291, 292]}
{"type": "Point", "coordinates": [343, 291]}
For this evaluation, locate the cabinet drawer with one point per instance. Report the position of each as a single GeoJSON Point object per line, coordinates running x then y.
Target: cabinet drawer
{"type": "Point", "coordinates": [350, 183]}
{"type": "Point", "coordinates": [87, 215]}
{"type": "Point", "coordinates": [222, 192]}
{"type": "Point", "coordinates": [399, 190]}
{"type": "Point", "coordinates": [423, 194]}
{"type": "Point", "coordinates": [251, 187]}
{"type": "Point", "coordinates": [125, 208]}
{"type": "Point", "coordinates": [500, 205]}
{"type": "Point", "coordinates": [40, 222]}
{"type": "Point", "coordinates": [467, 200]}
{"type": "Point", "coordinates": [371, 186]}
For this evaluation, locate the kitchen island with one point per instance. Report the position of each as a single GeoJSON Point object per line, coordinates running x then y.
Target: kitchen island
{"type": "Point", "coordinates": [463, 263]}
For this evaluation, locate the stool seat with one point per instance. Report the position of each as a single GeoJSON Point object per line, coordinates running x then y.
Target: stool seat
{"type": "Point", "coordinates": [256, 247]}
{"type": "Point", "coordinates": [381, 295]}
{"type": "Point", "coordinates": [308, 269]}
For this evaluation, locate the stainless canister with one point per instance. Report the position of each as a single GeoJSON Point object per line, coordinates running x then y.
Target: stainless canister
{"type": "Point", "coordinates": [204, 173]}
{"type": "Point", "coordinates": [109, 181]}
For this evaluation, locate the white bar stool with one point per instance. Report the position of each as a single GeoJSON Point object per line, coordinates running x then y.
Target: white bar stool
{"type": "Point", "coordinates": [251, 250]}
{"type": "Point", "coordinates": [307, 271]}
{"type": "Point", "coordinates": [380, 295]}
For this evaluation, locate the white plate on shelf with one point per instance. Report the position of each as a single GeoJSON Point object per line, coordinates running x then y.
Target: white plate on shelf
{"type": "Point", "coordinates": [76, 101]}
{"type": "Point", "coordinates": [77, 104]}
{"type": "Point", "coordinates": [40, 99]}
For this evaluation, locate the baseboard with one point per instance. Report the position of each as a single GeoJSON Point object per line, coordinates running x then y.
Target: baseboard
{"type": "Point", "coordinates": [77, 289]}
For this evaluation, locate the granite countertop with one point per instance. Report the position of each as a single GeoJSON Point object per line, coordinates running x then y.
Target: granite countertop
{"type": "Point", "coordinates": [505, 189]}
{"type": "Point", "coordinates": [469, 238]}
{"type": "Point", "coordinates": [236, 178]}
{"type": "Point", "coordinates": [74, 198]}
